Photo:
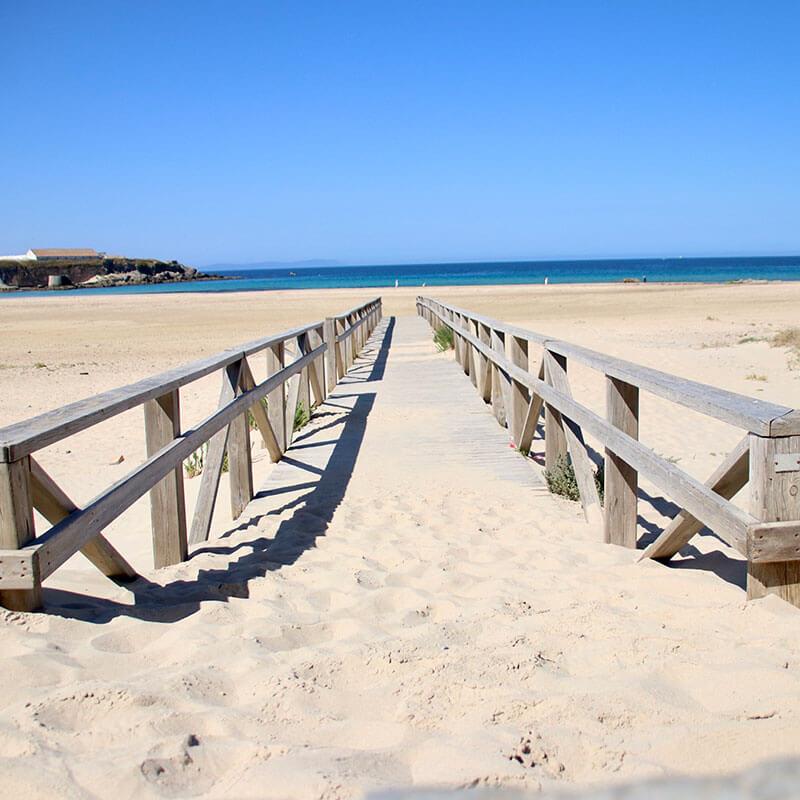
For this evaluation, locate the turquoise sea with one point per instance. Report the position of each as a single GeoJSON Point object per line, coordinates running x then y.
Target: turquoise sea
{"type": "Point", "coordinates": [654, 270]}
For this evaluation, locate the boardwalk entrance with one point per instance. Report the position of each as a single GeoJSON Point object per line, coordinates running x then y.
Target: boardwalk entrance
{"type": "Point", "coordinates": [406, 417]}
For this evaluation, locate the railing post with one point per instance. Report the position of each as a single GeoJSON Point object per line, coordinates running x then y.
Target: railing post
{"type": "Point", "coordinates": [240, 464]}
{"type": "Point", "coordinates": [473, 353]}
{"type": "Point", "coordinates": [162, 424]}
{"type": "Point", "coordinates": [16, 527]}
{"type": "Point", "coordinates": [774, 496]}
{"type": "Point", "coordinates": [499, 380]}
{"type": "Point", "coordinates": [517, 354]}
{"type": "Point", "coordinates": [329, 335]}
{"type": "Point", "coordinates": [276, 399]}
{"type": "Point", "coordinates": [485, 370]}
{"type": "Point", "coordinates": [555, 441]}
{"type": "Point", "coordinates": [621, 480]}
{"type": "Point", "coordinates": [341, 350]}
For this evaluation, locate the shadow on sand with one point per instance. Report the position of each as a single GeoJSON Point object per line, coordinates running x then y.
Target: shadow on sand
{"type": "Point", "coordinates": [254, 558]}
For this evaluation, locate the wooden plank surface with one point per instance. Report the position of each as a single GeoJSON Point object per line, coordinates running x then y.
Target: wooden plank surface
{"type": "Point", "coordinates": [774, 497]}
{"type": "Point", "coordinates": [621, 480]}
{"type": "Point", "coordinates": [16, 530]}
{"type": "Point", "coordinates": [167, 503]}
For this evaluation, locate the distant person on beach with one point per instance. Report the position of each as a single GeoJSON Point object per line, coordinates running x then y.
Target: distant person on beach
{"type": "Point", "coordinates": [644, 278]}
{"type": "Point", "coordinates": [546, 280]}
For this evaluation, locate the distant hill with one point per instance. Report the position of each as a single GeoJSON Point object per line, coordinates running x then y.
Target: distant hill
{"type": "Point", "coordinates": [306, 264]}
{"type": "Point", "coordinates": [104, 271]}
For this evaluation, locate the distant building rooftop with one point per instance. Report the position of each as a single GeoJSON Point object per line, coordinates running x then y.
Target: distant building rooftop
{"type": "Point", "coordinates": [64, 252]}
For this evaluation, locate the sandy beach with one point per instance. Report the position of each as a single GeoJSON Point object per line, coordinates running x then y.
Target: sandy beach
{"type": "Point", "coordinates": [436, 621]}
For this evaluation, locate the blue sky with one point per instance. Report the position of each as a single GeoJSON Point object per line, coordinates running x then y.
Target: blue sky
{"type": "Point", "coordinates": [400, 131]}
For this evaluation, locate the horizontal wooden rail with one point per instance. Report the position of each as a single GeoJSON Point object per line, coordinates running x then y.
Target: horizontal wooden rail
{"type": "Point", "coordinates": [297, 361]}
{"type": "Point", "coordinates": [769, 536]}
{"type": "Point", "coordinates": [748, 413]}
{"type": "Point", "coordinates": [24, 438]}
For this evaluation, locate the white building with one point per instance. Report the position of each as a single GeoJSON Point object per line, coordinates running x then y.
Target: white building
{"type": "Point", "coordinates": [56, 254]}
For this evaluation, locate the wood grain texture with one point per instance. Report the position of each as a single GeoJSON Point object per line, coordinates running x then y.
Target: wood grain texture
{"type": "Point", "coordinates": [240, 466]}
{"type": "Point", "coordinates": [276, 399]}
{"type": "Point", "coordinates": [555, 369]}
{"type": "Point", "coordinates": [621, 480]}
{"type": "Point", "coordinates": [519, 396]}
{"type": "Point", "coordinates": [16, 530]}
{"type": "Point", "coordinates": [532, 414]}
{"type": "Point", "coordinates": [501, 383]}
{"type": "Point", "coordinates": [726, 480]}
{"type": "Point", "coordinates": [773, 542]}
{"type": "Point", "coordinates": [167, 503]}
{"type": "Point", "coordinates": [774, 497]}
{"type": "Point", "coordinates": [50, 500]}
{"type": "Point", "coordinates": [261, 417]}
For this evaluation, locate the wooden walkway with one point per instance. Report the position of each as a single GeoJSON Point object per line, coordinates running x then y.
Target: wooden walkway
{"type": "Point", "coordinates": [402, 409]}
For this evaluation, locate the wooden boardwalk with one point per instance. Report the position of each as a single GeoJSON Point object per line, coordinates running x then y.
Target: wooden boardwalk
{"type": "Point", "coordinates": [435, 425]}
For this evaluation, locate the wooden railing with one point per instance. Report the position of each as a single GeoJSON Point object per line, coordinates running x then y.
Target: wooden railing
{"type": "Point", "coordinates": [499, 358]}
{"type": "Point", "coordinates": [301, 363]}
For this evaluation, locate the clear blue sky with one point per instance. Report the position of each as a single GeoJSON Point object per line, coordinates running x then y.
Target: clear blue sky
{"type": "Point", "coordinates": [400, 131]}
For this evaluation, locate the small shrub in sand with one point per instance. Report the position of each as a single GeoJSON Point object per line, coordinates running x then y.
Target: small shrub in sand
{"type": "Point", "coordinates": [561, 479]}
{"type": "Point", "coordinates": [443, 338]}
{"type": "Point", "coordinates": [301, 417]}
{"type": "Point", "coordinates": [789, 337]}
{"type": "Point", "coordinates": [193, 466]}
{"type": "Point", "coordinates": [754, 377]}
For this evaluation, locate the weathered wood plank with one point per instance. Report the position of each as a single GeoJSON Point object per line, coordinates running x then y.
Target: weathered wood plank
{"type": "Point", "coordinates": [50, 500]}
{"type": "Point", "coordinates": [276, 399]}
{"type": "Point", "coordinates": [26, 437]}
{"type": "Point", "coordinates": [16, 530]}
{"type": "Point", "coordinates": [214, 459]}
{"type": "Point", "coordinates": [329, 335]}
{"type": "Point", "coordinates": [240, 465]}
{"type": "Point", "coordinates": [726, 481]}
{"type": "Point", "coordinates": [556, 373]}
{"type": "Point", "coordinates": [501, 383]}
{"type": "Point", "coordinates": [56, 545]}
{"type": "Point", "coordinates": [774, 497]}
{"type": "Point", "coordinates": [517, 354]}
{"type": "Point", "coordinates": [773, 542]}
{"type": "Point", "coordinates": [723, 517]}
{"type": "Point", "coordinates": [167, 503]}
{"type": "Point", "coordinates": [261, 417]}
{"type": "Point", "coordinates": [621, 480]}
{"type": "Point", "coordinates": [484, 366]}
{"type": "Point", "coordinates": [744, 412]}
{"type": "Point", "coordinates": [532, 414]}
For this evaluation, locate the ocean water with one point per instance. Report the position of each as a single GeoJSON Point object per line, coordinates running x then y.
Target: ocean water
{"type": "Point", "coordinates": [654, 270]}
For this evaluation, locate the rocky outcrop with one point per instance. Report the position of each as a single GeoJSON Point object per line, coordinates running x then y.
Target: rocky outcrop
{"type": "Point", "coordinates": [97, 272]}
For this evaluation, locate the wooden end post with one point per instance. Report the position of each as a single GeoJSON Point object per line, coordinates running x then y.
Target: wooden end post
{"type": "Point", "coordinates": [555, 440]}
{"type": "Point", "coordinates": [329, 335]}
{"type": "Point", "coordinates": [276, 399]}
{"type": "Point", "coordinates": [621, 480]}
{"type": "Point", "coordinates": [162, 424]}
{"type": "Point", "coordinates": [774, 496]}
{"type": "Point", "coordinates": [16, 528]}
{"type": "Point", "coordinates": [517, 352]}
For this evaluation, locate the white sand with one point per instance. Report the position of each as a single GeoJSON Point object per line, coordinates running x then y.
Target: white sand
{"type": "Point", "coordinates": [434, 619]}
